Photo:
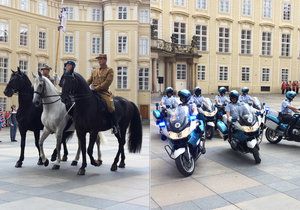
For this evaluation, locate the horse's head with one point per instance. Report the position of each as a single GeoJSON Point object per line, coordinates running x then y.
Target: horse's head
{"type": "Point", "coordinates": [17, 82]}
{"type": "Point", "coordinates": [39, 89]}
{"type": "Point", "coordinates": [68, 83]}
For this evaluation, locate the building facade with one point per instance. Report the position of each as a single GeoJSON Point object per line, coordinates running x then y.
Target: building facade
{"type": "Point", "coordinates": [240, 43]}
{"type": "Point", "coordinates": [121, 29]}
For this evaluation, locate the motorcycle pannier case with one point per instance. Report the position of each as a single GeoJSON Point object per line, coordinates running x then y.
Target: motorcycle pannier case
{"type": "Point", "coordinates": [222, 127]}
{"type": "Point", "coordinates": [272, 122]}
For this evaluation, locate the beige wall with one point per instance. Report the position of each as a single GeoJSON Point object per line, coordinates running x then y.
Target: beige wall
{"type": "Point", "coordinates": [83, 29]}
{"type": "Point", "coordinates": [167, 13]}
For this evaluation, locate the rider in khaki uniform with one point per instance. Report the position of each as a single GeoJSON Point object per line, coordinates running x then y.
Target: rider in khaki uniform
{"type": "Point", "coordinates": [100, 81]}
{"type": "Point", "coordinates": [45, 70]}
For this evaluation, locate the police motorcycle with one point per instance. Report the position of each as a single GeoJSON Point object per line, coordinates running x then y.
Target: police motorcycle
{"type": "Point", "coordinates": [207, 112]}
{"type": "Point", "coordinates": [247, 131]}
{"type": "Point", "coordinates": [185, 137]}
{"type": "Point", "coordinates": [277, 130]}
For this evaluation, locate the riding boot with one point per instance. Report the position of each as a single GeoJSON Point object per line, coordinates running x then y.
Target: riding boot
{"type": "Point", "coordinates": [115, 124]}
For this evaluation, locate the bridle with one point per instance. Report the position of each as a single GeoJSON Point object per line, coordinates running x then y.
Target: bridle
{"type": "Point", "coordinates": [41, 94]}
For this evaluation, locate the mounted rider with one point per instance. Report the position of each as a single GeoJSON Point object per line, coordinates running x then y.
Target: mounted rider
{"type": "Point", "coordinates": [99, 81]}
{"type": "Point", "coordinates": [45, 70]}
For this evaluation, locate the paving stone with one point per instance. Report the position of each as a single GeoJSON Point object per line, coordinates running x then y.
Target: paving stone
{"type": "Point", "coordinates": [267, 179]}
{"type": "Point", "coordinates": [261, 191]}
{"type": "Point", "coordinates": [283, 186]}
{"type": "Point", "coordinates": [182, 206]}
{"type": "Point", "coordinates": [237, 196]}
{"type": "Point", "coordinates": [211, 202]}
{"type": "Point", "coordinates": [125, 206]}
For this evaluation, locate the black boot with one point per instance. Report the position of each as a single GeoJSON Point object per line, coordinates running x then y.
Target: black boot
{"type": "Point", "coordinates": [115, 124]}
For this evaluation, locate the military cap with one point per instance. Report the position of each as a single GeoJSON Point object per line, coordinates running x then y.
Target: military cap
{"type": "Point", "coordinates": [45, 66]}
{"type": "Point", "coordinates": [101, 56]}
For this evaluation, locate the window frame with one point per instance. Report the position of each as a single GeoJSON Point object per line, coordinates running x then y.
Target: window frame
{"type": "Point", "coordinates": [224, 39]}
{"type": "Point", "coordinates": [222, 74]}
{"type": "Point", "coordinates": [68, 44]}
{"type": "Point", "coordinates": [122, 14]}
{"type": "Point", "coordinates": [246, 42]}
{"type": "Point", "coordinates": [143, 78]}
{"type": "Point", "coordinates": [4, 69]}
{"type": "Point", "coordinates": [181, 73]}
{"type": "Point", "coordinates": [245, 74]}
{"type": "Point", "coordinates": [265, 75]}
{"type": "Point", "coordinates": [201, 72]}
{"type": "Point", "coordinates": [285, 45]}
{"type": "Point", "coordinates": [266, 45]}
{"type": "Point", "coordinates": [122, 72]}
{"type": "Point", "coordinates": [177, 31]}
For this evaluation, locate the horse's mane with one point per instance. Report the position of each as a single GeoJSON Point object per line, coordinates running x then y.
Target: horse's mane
{"type": "Point", "coordinates": [81, 80]}
{"type": "Point", "coordinates": [27, 81]}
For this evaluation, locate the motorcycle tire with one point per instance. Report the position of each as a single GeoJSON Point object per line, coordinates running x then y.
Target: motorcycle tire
{"type": "Point", "coordinates": [209, 132]}
{"type": "Point", "coordinates": [184, 166]}
{"type": "Point", "coordinates": [256, 155]}
{"type": "Point", "coordinates": [270, 136]}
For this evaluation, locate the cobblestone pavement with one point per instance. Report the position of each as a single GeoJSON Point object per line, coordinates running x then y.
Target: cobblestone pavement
{"type": "Point", "coordinates": [224, 179]}
{"type": "Point", "coordinates": [38, 187]}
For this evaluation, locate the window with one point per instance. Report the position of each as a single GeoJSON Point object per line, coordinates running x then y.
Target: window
{"type": "Point", "coordinates": [23, 66]}
{"type": "Point", "coordinates": [69, 44]}
{"type": "Point", "coordinates": [2, 104]}
{"type": "Point", "coordinates": [122, 77]}
{"type": "Point", "coordinates": [122, 44]}
{"type": "Point", "coordinates": [245, 74]}
{"type": "Point", "coordinates": [43, 7]}
{"type": "Point", "coordinates": [122, 13]}
{"type": "Point", "coordinates": [286, 11]}
{"type": "Point", "coordinates": [201, 72]}
{"type": "Point", "coordinates": [3, 32]}
{"type": "Point", "coordinates": [144, 79]}
{"type": "Point", "coordinates": [96, 14]}
{"type": "Point", "coordinates": [179, 2]}
{"type": "Point", "coordinates": [266, 43]}
{"type": "Point", "coordinates": [224, 6]}
{"type": "Point", "coordinates": [247, 7]}
{"type": "Point", "coordinates": [285, 44]}
{"type": "Point", "coordinates": [265, 75]}
{"type": "Point", "coordinates": [267, 8]}
{"type": "Point", "coordinates": [223, 73]}
{"type": "Point", "coordinates": [143, 46]}
{"type": "Point", "coordinates": [3, 69]}
{"type": "Point", "coordinates": [144, 16]}
{"type": "Point", "coordinates": [70, 13]}
{"type": "Point", "coordinates": [42, 40]}
{"type": "Point", "coordinates": [24, 5]}
{"type": "Point", "coordinates": [96, 43]}
{"type": "Point", "coordinates": [181, 71]}
{"type": "Point", "coordinates": [154, 28]}
{"type": "Point", "coordinates": [201, 4]}
{"type": "Point", "coordinates": [246, 42]}
{"type": "Point", "coordinates": [23, 35]}
{"type": "Point", "coordinates": [5, 2]}
{"type": "Point", "coordinates": [201, 34]}
{"type": "Point", "coordinates": [223, 39]}
{"type": "Point", "coordinates": [284, 75]}
{"type": "Point", "coordinates": [179, 33]}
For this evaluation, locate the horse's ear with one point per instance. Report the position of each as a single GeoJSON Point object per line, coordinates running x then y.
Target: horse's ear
{"type": "Point", "coordinates": [19, 70]}
{"type": "Point", "coordinates": [33, 75]}
{"type": "Point", "coordinates": [40, 74]}
{"type": "Point", "coordinates": [13, 71]}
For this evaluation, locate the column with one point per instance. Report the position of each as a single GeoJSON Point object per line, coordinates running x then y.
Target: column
{"type": "Point", "coordinates": [154, 75]}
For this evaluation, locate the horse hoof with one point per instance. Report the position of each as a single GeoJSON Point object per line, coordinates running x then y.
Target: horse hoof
{"type": "Point", "coordinates": [74, 163]}
{"type": "Point", "coordinates": [18, 164]}
{"type": "Point", "coordinates": [122, 165]}
{"type": "Point", "coordinates": [113, 168]}
{"type": "Point", "coordinates": [81, 172]}
{"type": "Point", "coordinates": [55, 167]}
{"type": "Point", "coordinates": [40, 162]}
{"type": "Point", "coordinates": [46, 163]}
{"type": "Point", "coordinates": [100, 162]}
{"type": "Point", "coordinates": [53, 158]}
{"type": "Point", "coordinates": [65, 158]}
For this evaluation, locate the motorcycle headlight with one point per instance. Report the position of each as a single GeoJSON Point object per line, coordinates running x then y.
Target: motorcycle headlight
{"type": "Point", "coordinates": [249, 129]}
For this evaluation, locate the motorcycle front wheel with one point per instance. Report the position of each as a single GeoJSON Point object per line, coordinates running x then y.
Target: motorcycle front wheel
{"type": "Point", "coordinates": [272, 136]}
{"type": "Point", "coordinates": [209, 132]}
{"type": "Point", "coordinates": [184, 165]}
{"type": "Point", "coordinates": [256, 155]}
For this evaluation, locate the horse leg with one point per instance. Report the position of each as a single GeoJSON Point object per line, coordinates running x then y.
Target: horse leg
{"type": "Point", "coordinates": [59, 135]}
{"type": "Point", "coordinates": [114, 166]}
{"type": "Point", "coordinates": [98, 148]}
{"type": "Point", "coordinates": [64, 142]}
{"type": "Point", "coordinates": [75, 161]}
{"type": "Point", "coordinates": [37, 138]}
{"type": "Point", "coordinates": [54, 155]}
{"type": "Point", "coordinates": [82, 139]}
{"type": "Point", "coordinates": [45, 134]}
{"type": "Point", "coordinates": [23, 140]}
{"type": "Point", "coordinates": [93, 137]}
{"type": "Point", "coordinates": [123, 141]}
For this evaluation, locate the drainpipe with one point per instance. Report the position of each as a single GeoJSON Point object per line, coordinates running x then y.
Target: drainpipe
{"type": "Point", "coordinates": [102, 28]}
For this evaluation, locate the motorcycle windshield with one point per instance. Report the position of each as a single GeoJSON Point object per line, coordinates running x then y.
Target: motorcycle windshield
{"type": "Point", "coordinates": [246, 116]}
{"type": "Point", "coordinates": [207, 105]}
{"type": "Point", "coordinates": [257, 104]}
{"type": "Point", "coordinates": [177, 119]}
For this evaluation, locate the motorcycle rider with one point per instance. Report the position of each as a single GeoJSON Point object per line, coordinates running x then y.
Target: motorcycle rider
{"type": "Point", "coordinates": [221, 99]}
{"type": "Point", "coordinates": [197, 98]}
{"type": "Point", "coordinates": [245, 97]}
{"type": "Point", "coordinates": [231, 110]}
{"type": "Point", "coordinates": [286, 112]}
{"type": "Point", "coordinates": [185, 98]}
{"type": "Point", "coordinates": [168, 100]}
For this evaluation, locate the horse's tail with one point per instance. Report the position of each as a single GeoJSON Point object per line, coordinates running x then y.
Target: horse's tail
{"type": "Point", "coordinates": [135, 131]}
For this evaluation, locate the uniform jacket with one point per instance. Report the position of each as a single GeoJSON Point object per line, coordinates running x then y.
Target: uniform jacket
{"type": "Point", "coordinates": [101, 79]}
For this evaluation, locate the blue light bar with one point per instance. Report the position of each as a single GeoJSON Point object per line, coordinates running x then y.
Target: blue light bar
{"type": "Point", "coordinates": [162, 124]}
{"type": "Point", "coordinates": [193, 117]}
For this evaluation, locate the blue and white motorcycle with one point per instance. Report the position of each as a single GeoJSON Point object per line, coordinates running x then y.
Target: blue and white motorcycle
{"type": "Point", "coordinates": [247, 131]}
{"type": "Point", "coordinates": [208, 113]}
{"type": "Point", "coordinates": [185, 137]}
{"type": "Point", "coordinates": [276, 130]}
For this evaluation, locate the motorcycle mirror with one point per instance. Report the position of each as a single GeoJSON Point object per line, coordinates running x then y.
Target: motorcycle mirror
{"type": "Point", "coordinates": [264, 104]}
